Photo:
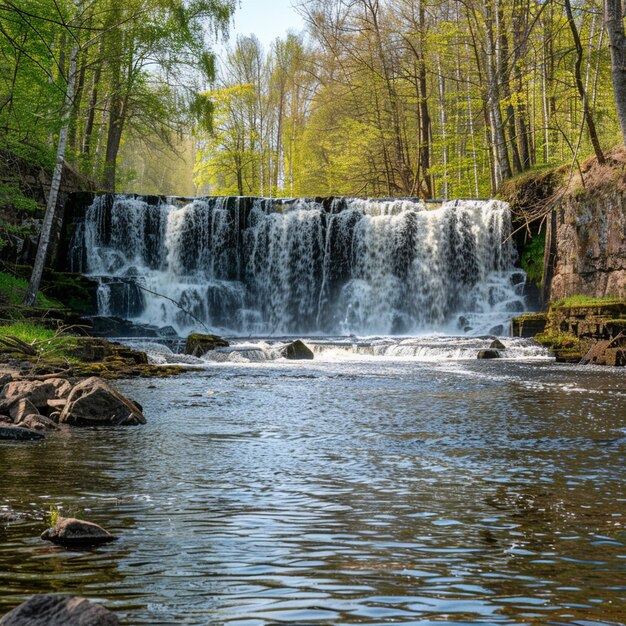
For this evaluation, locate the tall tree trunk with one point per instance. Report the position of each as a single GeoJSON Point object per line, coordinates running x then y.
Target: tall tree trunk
{"type": "Point", "coordinates": [114, 138]}
{"type": "Point", "coordinates": [614, 22]}
{"type": "Point", "coordinates": [591, 127]}
{"type": "Point", "coordinates": [49, 218]}
{"type": "Point", "coordinates": [91, 112]}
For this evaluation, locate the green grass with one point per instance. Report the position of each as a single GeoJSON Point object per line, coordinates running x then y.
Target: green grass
{"type": "Point", "coordinates": [584, 301]}
{"type": "Point", "coordinates": [12, 195]}
{"type": "Point", "coordinates": [12, 290]}
{"type": "Point", "coordinates": [27, 332]}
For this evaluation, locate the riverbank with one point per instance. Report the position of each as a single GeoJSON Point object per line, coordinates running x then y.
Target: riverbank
{"type": "Point", "coordinates": [579, 330]}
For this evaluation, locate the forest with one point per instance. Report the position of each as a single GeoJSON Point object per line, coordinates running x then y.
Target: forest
{"type": "Point", "coordinates": [434, 98]}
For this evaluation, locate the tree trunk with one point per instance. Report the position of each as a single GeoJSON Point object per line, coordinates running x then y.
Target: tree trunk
{"type": "Point", "coordinates": [613, 20]}
{"type": "Point", "coordinates": [591, 127]}
{"type": "Point", "coordinates": [48, 221]}
{"type": "Point", "coordinates": [114, 137]}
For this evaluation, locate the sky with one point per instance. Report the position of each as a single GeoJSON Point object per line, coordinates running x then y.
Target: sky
{"type": "Point", "coordinates": [267, 19]}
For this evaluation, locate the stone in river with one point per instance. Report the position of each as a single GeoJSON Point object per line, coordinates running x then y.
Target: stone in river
{"type": "Point", "coordinates": [488, 354]}
{"type": "Point", "coordinates": [93, 402]}
{"type": "Point", "coordinates": [496, 344]}
{"type": "Point", "coordinates": [296, 350]}
{"type": "Point", "coordinates": [53, 610]}
{"type": "Point", "coordinates": [70, 531]}
{"type": "Point", "coordinates": [10, 432]}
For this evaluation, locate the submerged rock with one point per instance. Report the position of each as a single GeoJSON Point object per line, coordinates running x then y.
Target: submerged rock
{"type": "Point", "coordinates": [488, 354]}
{"type": "Point", "coordinates": [16, 433]}
{"type": "Point", "coordinates": [37, 422]}
{"type": "Point", "coordinates": [93, 402]}
{"type": "Point", "coordinates": [52, 610]}
{"type": "Point", "coordinates": [297, 351]}
{"type": "Point", "coordinates": [70, 531]}
{"type": "Point", "coordinates": [198, 345]}
{"type": "Point", "coordinates": [496, 344]}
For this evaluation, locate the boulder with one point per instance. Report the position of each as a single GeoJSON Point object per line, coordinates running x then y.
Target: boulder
{"type": "Point", "coordinates": [488, 354]}
{"type": "Point", "coordinates": [62, 386]}
{"type": "Point", "coordinates": [38, 392]}
{"type": "Point", "coordinates": [52, 610]}
{"type": "Point", "coordinates": [69, 531]}
{"type": "Point", "coordinates": [21, 408]}
{"type": "Point", "coordinates": [15, 433]}
{"type": "Point", "coordinates": [198, 345]}
{"type": "Point", "coordinates": [57, 405]}
{"type": "Point", "coordinates": [296, 351]}
{"type": "Point", "coordinates": [496, 344]}
{"type": "Point", "coordinates": [37, 422]}
{"type": "Point", "coordinates": [5, 378]}
{"type": "Point", "coordinates": [93, 402]}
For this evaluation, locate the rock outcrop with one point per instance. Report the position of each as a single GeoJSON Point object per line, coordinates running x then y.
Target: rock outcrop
{"type": "Point", "coordinates": [586, 242]}
{"type": "Point", "coordinates": [52, 610]}
{"type": "Point", "coordinates": [93, 402]}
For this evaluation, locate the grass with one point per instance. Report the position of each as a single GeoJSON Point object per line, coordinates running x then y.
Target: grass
{"type": "Point", "coordinates": [585, 301]}
{"type": "Point", "coordinates": [12, 291]}
{"type": "Point", "coordinates": [27, 332]}
{"type": "Point", "coordinates": [12, 195]}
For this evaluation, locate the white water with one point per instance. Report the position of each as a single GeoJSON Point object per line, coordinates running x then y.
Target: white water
{"type": "Point", "coordinates": [262, 267]}
{"type": "Point", "coordinates": [337, 350]}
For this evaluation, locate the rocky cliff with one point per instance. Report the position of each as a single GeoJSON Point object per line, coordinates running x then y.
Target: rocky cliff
{"type": "Point", "coordinates": [586, 242]}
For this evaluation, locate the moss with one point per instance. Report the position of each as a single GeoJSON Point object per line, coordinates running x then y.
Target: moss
{"type": "Point", "coordinates": [586, 301]}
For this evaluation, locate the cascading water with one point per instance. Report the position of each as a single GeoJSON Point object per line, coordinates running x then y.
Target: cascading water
{"type": "Point", "coordinates": [342, 266]}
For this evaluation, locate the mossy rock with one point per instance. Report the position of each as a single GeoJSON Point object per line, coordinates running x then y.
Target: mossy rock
{"type": "Point", "coordinates": [198, 345]}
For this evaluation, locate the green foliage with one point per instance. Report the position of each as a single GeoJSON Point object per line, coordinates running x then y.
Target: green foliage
{"type": "Point", "coordinates": [532, 259]}
{"type": "Point", "coordinates": [13, 197]}
{"type": "Point", "coordinates": [12, 291]}
{"type": "Point", "coordinates": [54, 515]}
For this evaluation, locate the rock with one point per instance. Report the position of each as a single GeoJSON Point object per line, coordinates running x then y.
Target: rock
{"type": "Point", "coordinates": [38, 392]}
{"type": "Point", "coordinates": [62, 387]}
{"type": "Point", "coordinates": [488, 354]}
{"type": "Point", "coordinates": [5, 378]}
{"type": "Point", "coordinates": [7, 516]}
{"type": "Point", "coordinates": [198, 345]}
{"type": "Point", "coordinates": [496, 344]}
{"type": "Point", "coordinates": [10, 432]}
{"type": "Point", "coordinates": [93, 402]}
{"type": "Point", "coordinates": [21, 408]}
{"type": "Point", "coordinates": [103, 326]}
{"type": "Point", "coordinates": [37, 422]}
{"type": "Point", "coordinates": [296, 350]}
{"type": "Point", "coordinates": [52, 610]}
{"type": "Point", "coordinates": [57, 405]}
{"type": "Point", "coordinates": [69, 531]}
{"type": "Point", "coordinates": [167, 331]}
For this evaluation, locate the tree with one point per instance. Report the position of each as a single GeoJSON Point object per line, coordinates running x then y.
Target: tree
{"type": "Point", "coordinates": [614, 22]}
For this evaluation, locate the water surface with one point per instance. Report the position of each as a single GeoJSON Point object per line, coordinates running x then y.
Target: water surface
{"type": "Point", "coordinates": [365, 490]}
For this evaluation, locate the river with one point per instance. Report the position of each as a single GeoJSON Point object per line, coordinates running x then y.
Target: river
{"type": "Point", "coordinates": [368, 488]}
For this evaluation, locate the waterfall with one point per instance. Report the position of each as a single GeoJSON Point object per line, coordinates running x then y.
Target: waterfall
{"type": "Point", "coordinates": [307, 266]}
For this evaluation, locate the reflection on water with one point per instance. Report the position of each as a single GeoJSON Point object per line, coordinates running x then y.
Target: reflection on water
{"type": "Point", "coordinates": [374, 492]}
